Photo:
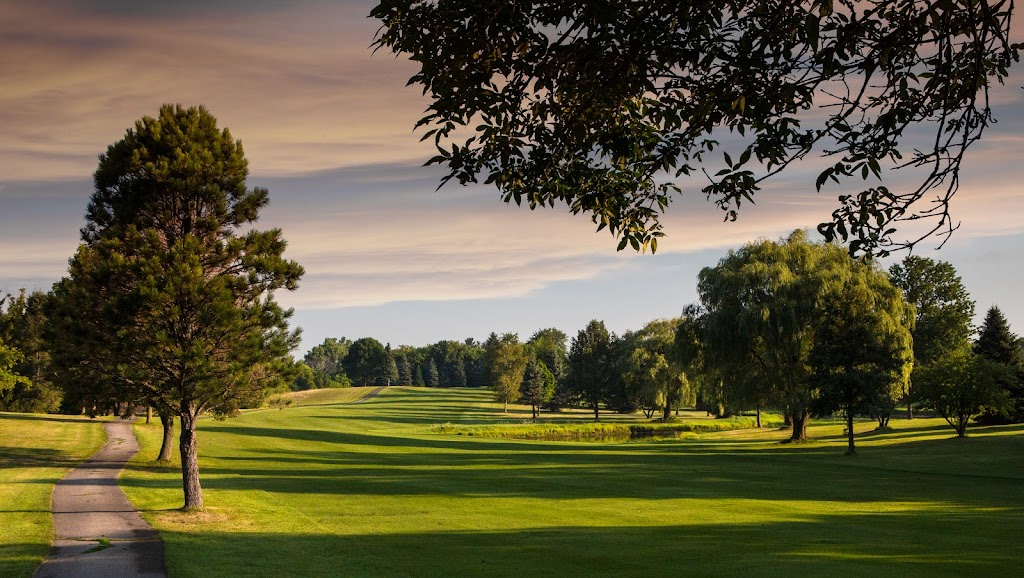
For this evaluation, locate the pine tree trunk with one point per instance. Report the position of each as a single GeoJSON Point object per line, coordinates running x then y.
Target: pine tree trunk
{"type": "Point", "coordinates": [799, 426]}
{"type": "Point", "coordinates": [534, 412]}
{"type": "Point", "coordinates": [190, 460]}
{"type": "Point", "coordinates": [850, 450]}
{"type": "Point", "coordinates": [166, 420]}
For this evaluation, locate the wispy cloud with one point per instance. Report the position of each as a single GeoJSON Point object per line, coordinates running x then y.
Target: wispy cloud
{"type": "Point", "coordinates": [299, 86]}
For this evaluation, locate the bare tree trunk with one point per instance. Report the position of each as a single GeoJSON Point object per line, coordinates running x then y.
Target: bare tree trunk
{"type": "Point", "coordinates": [597, 415]}
{"type": "Point", "coordinates": [534, 412]}
{"type": "Point", "coordinates": [506, 407]}
{"type": "Point", "coordinates": [190, 459]}
{"type": "Point", "coordinates": [758, 416]}
{"type": "Point", "coordinates": [149, 413]}
{"type": "Point", "coordinates": [666, 413]}
{"type": "Point", "coordinates": [166, 420]}
{"type": "Point", "coordinates": [800, 420]}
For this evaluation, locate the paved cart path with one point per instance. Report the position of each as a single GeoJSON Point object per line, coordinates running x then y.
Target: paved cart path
{"type": "Point", "coordinates": [89, 506]}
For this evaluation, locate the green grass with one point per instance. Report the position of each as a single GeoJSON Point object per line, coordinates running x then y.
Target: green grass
{"type": "Point", "coordinates": [327, 396]}
{"type": "Point", "coordinates": [369, 490]}
{"type": "Point", "coordinates": [35, 452]}
{"type": "Point", "coordinates": [576, 430]}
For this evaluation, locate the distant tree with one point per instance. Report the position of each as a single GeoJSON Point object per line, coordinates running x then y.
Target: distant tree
{"type": "Point", "coordinates": [862, 353]}
{"type": "Point", "coordinates": [189, 304]}
{"type": "Point", "coordinates": [487, 357]}
{"type": "Point", "coordinates": [418, 380]}
{"type": "Point", "coordinates": [538, 385]}
{"type": "Point", "coordinates": [961, 384]}
{"type": "Point", "coordinates": [943, 312]}
{"type": "Point", "coordinates": [550, 346]}
{"type": "Point", "coordinates": [365, 362]}
{"type": "Point", "coordinates": [22, 326]}
{"type": "Point", "coordinates": [766, 307]}
{"type": "Point", "coordinates": [433, 376]}
{"type": "Point", "coordinates": [508, 366]}
{"type": "Point", "coordinates": [998, 344]}
{"type": "Point", "coordinates": [390, 373]}
{"type": "Point", "coordinates": [654, 372]}
{"type": "Point", "coordinates": [592, 366]}
{"type": "Point", "coordinates": [404, 370]}
{"type": "Point", "coordinates": [305, 378]}
{"type": "Point", "coordinates": [8, 358]}
{"type": "Point", "coordinates": [328, 357]}
{"type": "Point", "coordinates": [612, 107]}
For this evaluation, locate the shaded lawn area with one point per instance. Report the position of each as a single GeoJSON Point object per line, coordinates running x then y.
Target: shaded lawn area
{"type": "Point", "coordinates": [36, 451]}
{"type": "Point", "coordinates": [368, 490]}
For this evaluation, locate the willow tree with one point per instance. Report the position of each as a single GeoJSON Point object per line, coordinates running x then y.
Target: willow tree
{"type": "Point", "coordinates": [610, 107]}
{"type": "Point", "coordinates": [654, 372]}
{"type": "Point", "coordinates": [193, 319]}
{"type": "Point", "coordinates": [768, 306]}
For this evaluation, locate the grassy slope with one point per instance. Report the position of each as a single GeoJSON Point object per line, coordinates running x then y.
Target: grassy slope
{"type": "Point", "coordinates": [35, 452]}
{"type": "Point", "coordinates": [367, 490]}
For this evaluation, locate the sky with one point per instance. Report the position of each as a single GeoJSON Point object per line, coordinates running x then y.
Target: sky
{"type": "Point", "coordinates": [327, 126]}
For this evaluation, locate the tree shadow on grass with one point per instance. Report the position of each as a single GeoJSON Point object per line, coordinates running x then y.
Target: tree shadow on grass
{"type": "Point", "coordinates": [348, 463]}
{"type": "Point", "coordinates": [14, 457]}
{"type": "Point", "coordinates": [48, 417]}
{"type": "Point", "coordinates": [842, 545]}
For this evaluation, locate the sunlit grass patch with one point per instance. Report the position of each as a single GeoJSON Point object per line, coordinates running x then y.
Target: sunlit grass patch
{"type": "Point", "coordinates": [371, 489]}
{"type": "Point", "coordinates": [596, 431]}
{"type": "Point", "coordinates": [36, 451]}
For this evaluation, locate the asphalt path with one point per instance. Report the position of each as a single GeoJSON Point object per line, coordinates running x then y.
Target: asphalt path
{"type": "Point", "coordinates": [98, 532]}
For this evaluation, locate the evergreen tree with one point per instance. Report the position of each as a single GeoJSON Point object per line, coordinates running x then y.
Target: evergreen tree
{"type": "Point", "coordinates": [538, 385]}
{"type": "Point", "coordinates": [390, 373]}
{"type": "Point", "coordinates": [998, 344]}
{"type": "Point", "coordinates": [185, 283]}
{"type": "Point", "coordinates": [418, 380]}
{"type": "Point", "coordinates": [433, 377]}
{"type": "Point", "coordinates": [592, 366]}
{"type": "Point", "coordinates": [404, 370]}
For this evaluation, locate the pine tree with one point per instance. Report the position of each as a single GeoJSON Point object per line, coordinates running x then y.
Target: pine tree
{"type": "Point", "coordinates": [174, 283]}
{"type": "Point", "coordinates": [390, 368]}
{"type": "Point", "coordinates": [418, 380]}
{"type": "Point", "coordinates": [998, 344]}
{"type": "Point", "coordinates": [538, 385]}
{"type": "Point", "coordinates": [404, 373]}
{"type": "Point", "coordinates": [433, 378]}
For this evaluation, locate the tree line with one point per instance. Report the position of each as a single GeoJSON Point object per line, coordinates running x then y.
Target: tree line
{"type": "Point", "coordinates": [168, 303]}
{"type": "Point", "coordinates": [791, 325]}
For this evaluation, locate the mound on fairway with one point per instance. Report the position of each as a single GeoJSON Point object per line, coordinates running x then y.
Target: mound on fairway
{"type": "Point", "coordinates": [369, 490]}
